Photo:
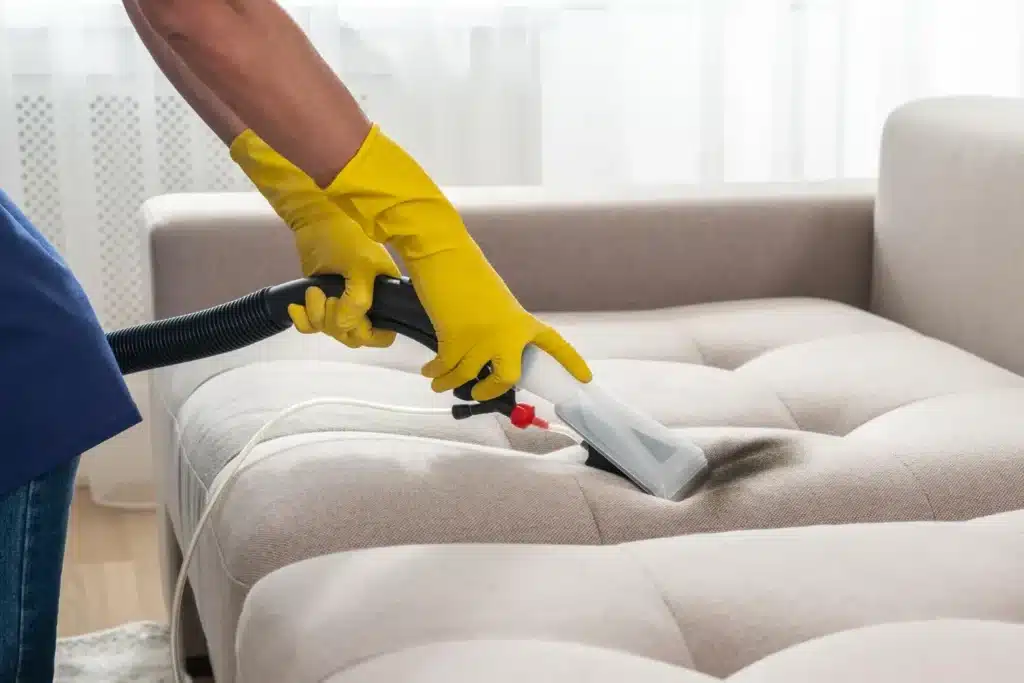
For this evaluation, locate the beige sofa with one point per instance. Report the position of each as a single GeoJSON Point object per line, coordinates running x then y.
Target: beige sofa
{"type": "Point", "coordinates": [909, 602]}
{"type": "Point", "coordinates": [846, 353]}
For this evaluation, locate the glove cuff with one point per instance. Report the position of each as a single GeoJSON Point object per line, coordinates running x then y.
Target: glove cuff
{"type": "Point", "coordinates": [350, 177]}
{"type": "Point", "coordinates": [238, 147]}
{"type": "Point", "coordinates": [293, 195]}
{"type": "Point", "coordinates": [248, 151]}
{"type": "Point", "coordinates": [387, 192]}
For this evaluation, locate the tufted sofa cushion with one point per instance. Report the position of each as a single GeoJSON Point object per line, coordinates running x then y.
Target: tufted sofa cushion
{"type": "Point", "coordinates": [925, 652]}
{"type": "Point", "coordinates": [908, 602]}
{"type": "Point", "coordinates": [812, 412]}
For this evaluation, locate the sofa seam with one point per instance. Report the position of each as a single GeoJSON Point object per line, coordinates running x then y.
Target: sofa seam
{"type": "Point", "coordinates": [220, 550]}
{"type": "Point", "coordinates": [920, 485]}
{"type": "Point", "coordinates": [386, 652]}
{"type": "Point", "coordinates": [212, 529]}
{"type": "Point", "coordinates": [503, 432]}
{"type": "Point", "coordinates": [365, 659]}
{"type": "Point", "coordinates": [704, 362]}
{"type": "Point", "coordinates": [824, 338]}
{"type": "Point", "coordinates": [656, 586]}
{"type": "Point", "coordinates": [770, 389]}
{"type": "Point", "coordinates": [788, 409]}
{"type": "Point", "coordinates": [700, 352]}
{"type": "Point", "coordinates": [924, 399]}
{"type": "Point", "coordinates": [590, 509]}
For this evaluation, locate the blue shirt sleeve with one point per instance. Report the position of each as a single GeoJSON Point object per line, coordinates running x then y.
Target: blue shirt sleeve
{"type": "Point", "coordinates": [61, 392]}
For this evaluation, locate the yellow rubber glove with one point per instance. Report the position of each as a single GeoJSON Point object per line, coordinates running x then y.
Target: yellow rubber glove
{"type": "Point", "coordinates": [476, 317]}
{"type": "Point", "coordinates": [328, 241]}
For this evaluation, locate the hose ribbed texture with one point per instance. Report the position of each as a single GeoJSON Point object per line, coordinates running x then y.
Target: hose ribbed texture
{"type": "Point", "coordinates": [210, 332]}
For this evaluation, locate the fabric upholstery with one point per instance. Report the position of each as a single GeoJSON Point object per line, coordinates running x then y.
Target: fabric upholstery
{"type": "Point", "coordinates": [949, 243]}
{"type": "Point", "coordinates": [742, 321]}
{"type": "Point", "coordinates": [754, 605]}
{"type": "Point", "coordinates": [701, 247]}
{"type": "Point", "coordinates": [943, 651]}
{"type": "Point", "coordinates": [560, 251]}
{"type": "Point", "coordinates": [514, 661]}
{"type": "Point", "coordinates": [812, 412]}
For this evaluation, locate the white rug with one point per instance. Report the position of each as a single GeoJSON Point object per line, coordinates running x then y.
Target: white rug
{"type": "Point", "coordinates": [133, 653]}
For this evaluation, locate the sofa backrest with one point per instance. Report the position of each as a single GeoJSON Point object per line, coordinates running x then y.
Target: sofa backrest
{"type": "Point", "coordinates": [638, 248]}
{"type": "Point", "coordinates": [949, 224]}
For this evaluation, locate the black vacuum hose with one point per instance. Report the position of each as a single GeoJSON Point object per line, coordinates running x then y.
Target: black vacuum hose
{"type": "Point", "coordinates": [257, 316]}
{"type": "Point", "coordinates": [260, 315]}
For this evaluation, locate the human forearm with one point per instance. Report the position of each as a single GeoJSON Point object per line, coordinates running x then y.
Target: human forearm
{"type": "Point", "coordinates": [265, 70]}
{"type": "Point", "coordinates": [260, 63]}
{"type": "Point", "coordinates": [210, 108]}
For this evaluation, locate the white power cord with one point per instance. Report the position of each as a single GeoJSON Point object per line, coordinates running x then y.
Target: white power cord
{"type": "Point", "coordinates": [235, 468]}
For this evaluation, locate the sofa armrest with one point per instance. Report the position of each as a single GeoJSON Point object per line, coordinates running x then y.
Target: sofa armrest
{"type": "Point", "coordinates": [639, 250]}
{"type": "Point", "coordinates": [949, 243]}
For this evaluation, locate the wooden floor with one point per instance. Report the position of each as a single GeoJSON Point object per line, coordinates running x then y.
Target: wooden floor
{"type": "Point", "coordinates": [111, 575]}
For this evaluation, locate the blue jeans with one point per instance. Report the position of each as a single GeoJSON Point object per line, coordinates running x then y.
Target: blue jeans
{"type": "Point", "coordinates": [33, 530]}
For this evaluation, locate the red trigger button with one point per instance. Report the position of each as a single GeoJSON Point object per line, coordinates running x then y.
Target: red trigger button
{"type": "Point", "coordinates": [524, 415]}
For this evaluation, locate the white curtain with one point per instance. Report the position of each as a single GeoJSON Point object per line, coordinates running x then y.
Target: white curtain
{"type": "Point", "coordinates": [502, 92]}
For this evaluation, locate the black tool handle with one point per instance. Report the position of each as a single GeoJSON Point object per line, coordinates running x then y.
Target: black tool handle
{"type": "Point", "coordinates": [254, 317]}
{"type": "Point", "coordinates": [261, 315]}
{"type": "Point", "coordinates": [395, 304]}
{"type": "Point", "coordinates": [395, 307]}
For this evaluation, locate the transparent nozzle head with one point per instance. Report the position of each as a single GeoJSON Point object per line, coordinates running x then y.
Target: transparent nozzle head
{"type": "Point", "coordinates": [661, 462]}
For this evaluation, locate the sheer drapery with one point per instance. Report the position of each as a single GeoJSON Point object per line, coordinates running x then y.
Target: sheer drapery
{"type": "Point", "coordinates": [502, 92]}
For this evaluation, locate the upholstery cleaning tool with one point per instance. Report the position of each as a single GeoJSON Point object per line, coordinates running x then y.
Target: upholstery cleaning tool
{"type": "Point", "coordinates": [657, 460]}
{"type": "Point", "coordinates": [617, 437]}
